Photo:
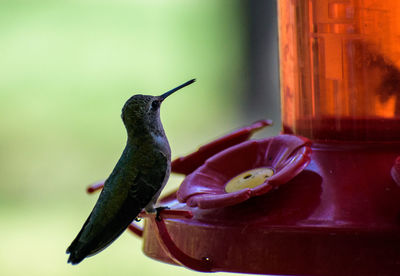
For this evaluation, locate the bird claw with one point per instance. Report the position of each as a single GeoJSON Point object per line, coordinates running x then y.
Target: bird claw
{"type": "Point", "coordinates": [159, 210]}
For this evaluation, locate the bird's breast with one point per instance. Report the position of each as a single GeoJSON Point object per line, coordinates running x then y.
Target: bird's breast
{"type": "Point", "coordinates": [161, 143]}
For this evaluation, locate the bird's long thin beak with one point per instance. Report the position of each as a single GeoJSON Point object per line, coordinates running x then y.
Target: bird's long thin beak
{"type": "Point", "coordinates": [166, 94]}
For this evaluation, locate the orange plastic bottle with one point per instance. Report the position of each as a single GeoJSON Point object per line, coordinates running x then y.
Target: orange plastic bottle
{"type": "Point", "coordinates": [340, 69]}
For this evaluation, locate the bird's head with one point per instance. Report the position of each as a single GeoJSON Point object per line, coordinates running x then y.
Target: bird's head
{"type": "Point", "coordinates": [142, 112]}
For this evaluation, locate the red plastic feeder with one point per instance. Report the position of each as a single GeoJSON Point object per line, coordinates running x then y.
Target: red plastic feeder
{"type": "Point", "coordinates": [284, 205]}
{"type": "Point", "coordinates": [340, 215]}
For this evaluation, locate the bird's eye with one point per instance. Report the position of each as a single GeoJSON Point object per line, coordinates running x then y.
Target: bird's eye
{"type": "Point", "coordinates": [155, 104]}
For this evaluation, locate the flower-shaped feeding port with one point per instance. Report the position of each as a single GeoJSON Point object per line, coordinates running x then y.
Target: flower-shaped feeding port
{"type": "Point", "coordinates": [251, 168]}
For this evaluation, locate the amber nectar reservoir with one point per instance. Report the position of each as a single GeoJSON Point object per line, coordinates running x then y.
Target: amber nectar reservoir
{"type": "Point", "coordinates": [340, 76]}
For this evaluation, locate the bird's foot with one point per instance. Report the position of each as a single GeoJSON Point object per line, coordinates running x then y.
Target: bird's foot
{"type": "Point", "coordinates": [159, 210]}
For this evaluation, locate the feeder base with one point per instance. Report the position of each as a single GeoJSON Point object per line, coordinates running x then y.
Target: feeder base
{"type": "Point", "coordinates": [340, 216]}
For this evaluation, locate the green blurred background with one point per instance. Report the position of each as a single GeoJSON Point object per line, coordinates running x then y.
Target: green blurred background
{"type": "Point", "coordinates": [66, 69]}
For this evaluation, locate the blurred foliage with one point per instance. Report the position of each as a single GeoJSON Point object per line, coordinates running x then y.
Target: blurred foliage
{"type": "Point", "coordinates": [66, 69]}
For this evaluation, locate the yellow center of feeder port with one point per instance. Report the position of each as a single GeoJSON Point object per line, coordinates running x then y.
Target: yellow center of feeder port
{"type": "Point", "coordinates": [248, 179]}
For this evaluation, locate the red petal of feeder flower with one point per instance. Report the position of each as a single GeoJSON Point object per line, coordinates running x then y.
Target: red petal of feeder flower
{"type": "Point", "coordinates": [285, 155]}
{"type": "Point", "coordinates": [206, 201]}
{"type": "Point", "coordinates": [187, 164]}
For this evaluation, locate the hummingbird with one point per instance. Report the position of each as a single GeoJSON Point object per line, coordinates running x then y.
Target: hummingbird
{"type": "Point", "coordinates": [136, 181]}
